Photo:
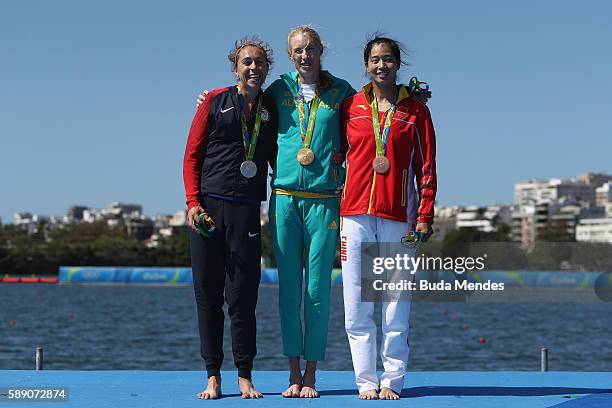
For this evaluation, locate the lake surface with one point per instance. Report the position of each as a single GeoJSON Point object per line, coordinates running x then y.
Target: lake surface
{"type": "Point", "coordinates": [155, 328]}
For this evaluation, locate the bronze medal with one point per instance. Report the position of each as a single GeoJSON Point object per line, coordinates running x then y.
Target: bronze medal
{"type": "Point", "coordinates": [381, 164]}
{"type": "Point", "coordinates": [305, 156]}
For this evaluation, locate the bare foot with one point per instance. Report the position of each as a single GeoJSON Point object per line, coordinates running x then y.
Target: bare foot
{"type": "Point", "coordinates": [293, 391]}
{"type": "Point", "coordinates": [295, 378]}
{"type": "Point", "coordinates": [308, 385]}
{"type": "Point", "coordinates": [309, 392]}
{"type": "Point", "coordinates": [368, 395]}
{"type": "Point", "coordinates": [247, 389]}
{"type": "Point", "coordinates": [388, 394]}
{"type": "Point", "coordinates": [295, 386]}
{"type": "Point", "coordinates": [213, 390]}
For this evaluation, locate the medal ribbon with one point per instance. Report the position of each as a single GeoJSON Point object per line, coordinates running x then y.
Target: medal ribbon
{"type": "Point", "coordinates": [246, 136]}
{"type": "Point", "coordinates": [381, 143]}
{"type": "Point", "coordinates": [306, 129]}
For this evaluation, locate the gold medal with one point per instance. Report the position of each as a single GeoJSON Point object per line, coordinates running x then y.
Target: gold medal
{"type": "Point", "coordinates": [305, 156]}
{"type": "Point", "coordinates": [381, 164]}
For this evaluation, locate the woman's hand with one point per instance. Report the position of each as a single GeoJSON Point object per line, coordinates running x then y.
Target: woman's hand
{"type": "Point", "coordinates": [192, 216]}
{"type": "Point", "coordinates": [424, 229]}
{"type": "Point", "coordinates": [201, 98]}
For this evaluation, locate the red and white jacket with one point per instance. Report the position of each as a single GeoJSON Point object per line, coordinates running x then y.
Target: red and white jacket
{"type": "Point", "coordinates": [411, 150]}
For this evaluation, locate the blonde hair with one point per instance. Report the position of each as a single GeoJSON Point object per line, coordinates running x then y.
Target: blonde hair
{"type": "Point", "coordinates": [305, 30]}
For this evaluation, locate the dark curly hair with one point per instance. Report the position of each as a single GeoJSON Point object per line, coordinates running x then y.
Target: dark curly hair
{"type": "Point", "coordinates": [253, 41]}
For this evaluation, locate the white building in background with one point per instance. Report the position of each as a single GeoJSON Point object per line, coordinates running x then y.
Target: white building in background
{"type": "Point", "coordinates": [529, 192]}
{"type": "Point", "coordinates": [75, 213]}
{"type": "Point", "coordinates": [445, 221]}
{"type": "Point", "coordinates": [118, 209]}
{"type": "Point", "coordinates": [551, 191]}
{"type": "Point", "coordinates": [447, 212]}
{"type": "Point", "coordinates": [485, 219]}
{"type": "Point", "coordinates": [178, 219]}
{"type": "Point", "coordinates": [523, 226]}
{"type": "Point", "coordinates": [90, 215]}
{"type": "Point", "coordinates": [603, 194]}
{"type": "Point", "coordinates": [551, 209]}
{"type": "Point", "coordinates": [22, 218]}
{"type": "Point", "coordinates": [594, 179]}
{"type": "Point", "coordinates": [594, 230]}
{"type": "Point", "coordinates": [26, 221]}
{"type": "Point", "coordinates": [30, 223]}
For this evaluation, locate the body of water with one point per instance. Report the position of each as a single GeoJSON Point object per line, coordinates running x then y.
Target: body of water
{"type": "Point", "coordinates": [155, 328]}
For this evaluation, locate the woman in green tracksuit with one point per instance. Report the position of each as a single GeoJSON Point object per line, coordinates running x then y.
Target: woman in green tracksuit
{"type": "Point", "coordinates": [305, 203]}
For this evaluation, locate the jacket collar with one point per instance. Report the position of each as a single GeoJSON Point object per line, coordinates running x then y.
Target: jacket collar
{"type": "Point", "coordinates": [291, 78]}
{"type": "Point", "coordinates": [369, 93]}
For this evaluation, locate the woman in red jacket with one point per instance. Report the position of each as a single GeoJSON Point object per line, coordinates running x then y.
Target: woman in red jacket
{"type": "Point", "coordinates": [390, 145]}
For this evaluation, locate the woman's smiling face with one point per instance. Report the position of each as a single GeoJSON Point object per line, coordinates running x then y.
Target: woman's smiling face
{"type": "Point", "coordinates": [382, 65]}
{"type": "Point", "coordinates": [305, 55]}
{"type": "Point", "coordinates": [251, 67]}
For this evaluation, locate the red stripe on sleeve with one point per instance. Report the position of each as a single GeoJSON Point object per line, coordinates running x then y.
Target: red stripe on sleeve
{"type": "Point", "coordinates": [196, 150]}
{"type": "Point", "coordinates": [425, 166]}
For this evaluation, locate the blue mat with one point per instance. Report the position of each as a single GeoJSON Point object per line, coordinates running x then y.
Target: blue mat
{"type": "Point", "coordinates": [422, 389]}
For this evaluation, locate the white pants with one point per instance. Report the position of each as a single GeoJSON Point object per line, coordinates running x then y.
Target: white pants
{"type": "Point", "coordinates": [359, 316]}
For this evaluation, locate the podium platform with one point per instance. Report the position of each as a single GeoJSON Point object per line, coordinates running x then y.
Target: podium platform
{"type": "Point", "coordinates": [88, 389]}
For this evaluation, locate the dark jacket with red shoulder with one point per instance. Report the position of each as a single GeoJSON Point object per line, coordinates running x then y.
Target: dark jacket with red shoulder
{"type": "Point", "coordinates": [215, 149]}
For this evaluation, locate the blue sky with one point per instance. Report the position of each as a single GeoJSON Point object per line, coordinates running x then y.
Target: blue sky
{"type": "Point", "coordinates": [97, 97]}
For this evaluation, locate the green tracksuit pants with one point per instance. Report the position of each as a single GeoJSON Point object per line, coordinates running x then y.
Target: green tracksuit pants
{"type": "Point", "coordinates": [304, 235]}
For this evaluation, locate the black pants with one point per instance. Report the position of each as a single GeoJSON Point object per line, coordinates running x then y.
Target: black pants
{"type": "Point", "coordinates": [228, 262]}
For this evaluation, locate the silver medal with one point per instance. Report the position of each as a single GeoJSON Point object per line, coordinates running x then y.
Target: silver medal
{"type": "Point", "coordinates": [248, 169]}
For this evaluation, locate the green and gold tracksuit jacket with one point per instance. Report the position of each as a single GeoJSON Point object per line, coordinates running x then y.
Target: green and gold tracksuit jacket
{"type": "Point", "coordinates": [322, 177]}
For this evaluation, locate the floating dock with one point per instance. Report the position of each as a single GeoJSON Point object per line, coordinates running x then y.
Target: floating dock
{"type": "Point", "coordinates": [89, 389]}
